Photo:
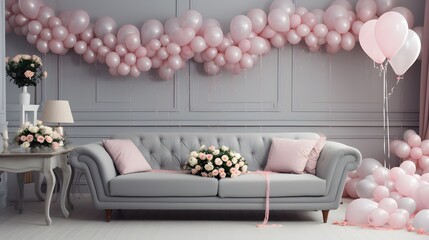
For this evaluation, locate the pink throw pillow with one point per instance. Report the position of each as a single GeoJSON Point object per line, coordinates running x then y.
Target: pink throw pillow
{"type": "Point", "coordinates": [126, 156]}
{"type": "Point", "coordinates": [314, 156]}
{"type": "Point", "coordinates": [289, 155]}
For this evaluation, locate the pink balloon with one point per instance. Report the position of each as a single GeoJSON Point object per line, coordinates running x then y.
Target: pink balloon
{"type": "Point", "coordinates": [173, 49]}
{"type": "Point", "coordinates": [279, 20]}
{"type": "Point", "coordinates": [175, 62]}
{"type": "Point", "coordinates": [113, 71]}
{"type": "Point", "coordinates": [416, 153]}
{"type": "Point", "coordinates": [45, 14]}
{"type": "Point", "coordinates": [287, 5]}
{"type": "Point", "coordinates": [78, 22]}
{"type": "Point", "coordinates": [258, 46]}
{"type": "Point", "coordinates": [320, 30]}
{"type": "Point", "coordinates": [408, 167]}
{"type": "Point", "coordinates": [408, 204]}
{"type": "Point", "coordinates": [302, 30]}
{"type": "Point", "coordinates": [162, 53]}
{"type": "Point", "coordinates": [183, 36]}
{"type": "Point", "coordinates": [151, 29]}
{"type": "Point", "coordinates": [380, 192]}
{"type": "Point", "coordinates": [80, 47]}
{"type": "Point", "coordinates": [191, 19]}
{"type": "Point", "coordinates": [246, 61]}
{"type": "Point", "coordinates": [245, 45]}
{"type": "Point", "coordinates": [407, 14]}
{"type": "Point", "coordinates": [356, 28]}
{"type": "Point", "coordinates": [333, 38]}
{"type": "Point", "coordinates": [165, 72]}
{"type": "Point", "coordinates": [59, 33]}
{"type": "Point", "coordinates": [391, 32]}
{"type": "Point", "coordinates": [402, 150]}
{"type": "Point", "coordinates": [103, 51]}
{"type": "Point", "coordinates": [20, 19]}
{"type": "Point", "coordinates": [378, 217]}
{"type": "Point", "coordinates": [407, 54]}
{"type": "Point", "coordinates": [89, 56]}
{"type": "Point", "coordinates": [121, 50]}
{"type": "Point", "coordinates": [211, 68]}
{"type": "Point", "coordinates": [348, 41]}
{"type": "Point", "coordinates": [389, 205]}
{"type": "Point", "coordinates": [342, 25]}
{"type": "Point", "coordinates": [113, 59]}
{"type": "Point", "coordinates": [393, 145]}
{"type": "Point", "coordinates": [333, 13]}
{"type": "Point", "coordinates": [408, 133]}
{"type": "Point", "coordinates": [70, 41]}
{"type": "Point", "coordinates": [233, 54]}
{"type": "Point", "coordinates": [381, 175]}
{"type": "Point", "coordinates": [88, 34]}
{"type": "Point", "coordinates": [344, 3]}
{"type": "Point", "coordinates": [277, 41]}
{"type": "Point", "coordinates": [293, 37]}
{"type": "Point", "coordinates": [132, 42]}
{"type": "Point", "coordinates": [394, 195]}
{"type": "Point", "coordinates": [365, 188]}
{"type": "Point", "coordinates": [406, 184]}
{"type": "Point", "coordinates": [268, 32]}
{"type": "Point", "coordinates": [358, 210]}
{"type": "Point", "coordinates": [54, 22]}
{"type": "Point", "coordinates": [395, 172]}
{"type": "Point", "coordinates": [368, 42]}
{"type": "Point", "coordinates": [209, 22]}
{"type": "Point", "coordinates": [311, 40]}
{"type": "Point", "coordinates": [130, 59]}
{"type": "Point", "coordinates": [109, 40]}
{"type": "Point", "coordinates": [424, 162]}
{"type": "Point", "coordinates": [220, 59]}
{"type": "Point", "coordinates": [295, 20]}
{"type": "Point", "coordinates": [259, 19]}
{"type": "Point", "coordinates": [35, 27]}
{"type": "Point", "coordinates": [213, 36]}
{"type": "Point", "coordinates": [125, 30]}
{"type": "Point", "coordinates": [56, 46]}
{"type": "Point", "coordinates": [209, 54]}
{"type": "Point", "coordinates": [31, 38]}
{"type": "Point", "coordinates": [367, 167]}
{"type": "Point", "coordinates": [171, 25]}
{"type": "Point", "coordinates": [309, 19]}
{"type": "Point", "coordinates": [42, 46]}
{"type": "Point", "coordinates": [198, 44]}
{"type": "Point", "coordinates": [134, 72]}
{"type": "Point", "coordinates": [144, 64]}
{"type": "Point", "coordinates": [366, 10]}
{"type": "Point", "coordinates": [30, 8]}
{"type": "Point", "coordinates": [384, 6]}
{"type": "Point", "coordinates": [350, 187]}
{"type": "Point", "coordinates": [123, 69]}
{"type": "Point", "coordinates": [165, 40]}
{"type": "Point", "coordinates": [156, 62]}
{"type": "Point", "coordinates": [397, 220]}
{"type": "Point", "coordinates": [105, 25]}
{"type": "Point", "coordinates": [240, 28]}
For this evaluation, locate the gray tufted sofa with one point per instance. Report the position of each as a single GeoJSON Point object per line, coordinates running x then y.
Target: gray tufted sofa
{"type": "Point", "coordinates": [170, 151]}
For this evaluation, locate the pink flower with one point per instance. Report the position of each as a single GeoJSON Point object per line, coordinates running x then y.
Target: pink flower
{"type": "Point", "coordinates": [212, 148]}
{"type": "Point", "coordinates": [48, 139]}
{"type": "Point", "coordinates": [198, 167]}
{"type": "Point", "coordinates": [218, 161]}
{"type": "Point", "coordinates": [55, 145]}
{"type": "Point", "coordinates": [221, 170]}
{"type": "Point", "coordinates": [202, 156]}
{"type": "Point", "coordinates": [28, 74]}
{"type": "Point", "coordinates": [222, 175]}
{"type": "Point", "coordinates": [194, 171]}
{"type": "Point", "coordinates": [204, 174]}
{"type": "Point", "coordinates": [229, 163]}
{"type": "Point", "coordinates": [23, 138]}
{"type": "Point", "coordinates": [40, 139]}
{"type": "Point", "coordinates": [225, 158]}
{"type": "Point", "coordinates": [30, 137]}
{"type": "Point", "coordinates": [209, 157]}
{"type": "Point", "coordinates": [232, 170]}
{"type": "Point", "coordinates": [215, 172]}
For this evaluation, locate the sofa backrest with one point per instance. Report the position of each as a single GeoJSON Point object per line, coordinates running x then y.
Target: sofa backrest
{"type": "Point", "coordinates": [171, 150]}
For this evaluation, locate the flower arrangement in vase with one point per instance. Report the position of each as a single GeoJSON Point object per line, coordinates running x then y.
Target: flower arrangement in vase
{"type": "Point", "coordinates": [38, 137]}
{"type": "Point", "coordinates": [218, 163]}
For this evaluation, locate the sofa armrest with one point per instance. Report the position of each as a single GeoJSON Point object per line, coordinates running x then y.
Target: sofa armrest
{"type": "Point", "coordinates": [335, 161]}
{"type": "Point", "coordinates": [97, 165]}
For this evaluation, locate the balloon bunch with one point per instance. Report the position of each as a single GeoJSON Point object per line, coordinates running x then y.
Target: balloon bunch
{"type": "Point", "coordinates": [392, 198]}
{"type": "Point", "coordinates": [166, 47]}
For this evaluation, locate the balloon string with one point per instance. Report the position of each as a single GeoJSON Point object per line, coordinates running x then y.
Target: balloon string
{"type": "Point", "coordinates": [384, 116]}
{"type": "Point", "coordinates": [398, 79]}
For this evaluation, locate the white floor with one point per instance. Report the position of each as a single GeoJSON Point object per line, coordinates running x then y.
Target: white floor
{"type": "Point", "coordinates": [85, 222]}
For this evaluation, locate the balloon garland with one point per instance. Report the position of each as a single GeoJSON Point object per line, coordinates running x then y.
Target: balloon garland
{"type": "Point", "coordinates": [166, 47]}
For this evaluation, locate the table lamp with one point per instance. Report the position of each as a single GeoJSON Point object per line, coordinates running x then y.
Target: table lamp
{"type": "Point", "coordinates": [57, 111]}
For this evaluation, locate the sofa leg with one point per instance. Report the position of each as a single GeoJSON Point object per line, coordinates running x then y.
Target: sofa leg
{"type": "Point", "coordinates": [108, 213]}
{"type": "Point", "coordinates": [325, 214]}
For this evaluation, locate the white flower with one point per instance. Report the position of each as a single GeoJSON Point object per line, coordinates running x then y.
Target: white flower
{"type": "Point", "coordinates": [238, 155]}
{"type": "Point", "coordinates": [25, 145]}
{"type": "Point", "coordinates": [192, 161]}
{"type": "Point", "coordinates": [26, 56]}
{"type": "Point", "coordinates": [202, 147]}
{"type": "Point", "coordinates": [26, 124]}
{"type": "Point", "coordinates": [33, 129]}
{"type": "Point", "coordinates": [216, 152]}
{"type": "Point", "coordinates": [209, 167]}
{"type": "Point", "coordinates": [224, 148]}
{"type": "Point", "coordinates": [48, 130]}
{"type": "Point", "coordinates": [241, 163]}
{"type": "Point", "coordinates": [218, 161]}
{"type": "Point", "coordinates": [194, 154]}
{"type": "Point", "coordinates": [198, 167]}
{"type": "Point", "coordinates": [234, 160]}
{"type": "Point", "coordinates": [56, 135]}
{"type": "Point", "coordinates": [61, 143]}
{"type": "Point", "coordinates": [39, 122]}
{"type": "Point", "coordinates": [244, 169]}
{"type": "Point", "coordinates": [16, 59]}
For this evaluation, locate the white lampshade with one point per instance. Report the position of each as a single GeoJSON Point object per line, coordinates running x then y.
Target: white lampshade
{"type": "Point", "coordinates": [57, 111]}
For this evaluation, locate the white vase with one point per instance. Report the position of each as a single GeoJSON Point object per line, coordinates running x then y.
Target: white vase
{"type": "Point", "coordinates": [24, 96]}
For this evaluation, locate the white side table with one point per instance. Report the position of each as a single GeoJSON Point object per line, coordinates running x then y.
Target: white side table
{"type": "Point", "coordinates": [19, 162]}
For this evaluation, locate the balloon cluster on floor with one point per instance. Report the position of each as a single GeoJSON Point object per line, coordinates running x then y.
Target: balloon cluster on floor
{"type": "Point", "coordinates": [166, 47]}
{"type": "Point", "coordinates": [392, 198]}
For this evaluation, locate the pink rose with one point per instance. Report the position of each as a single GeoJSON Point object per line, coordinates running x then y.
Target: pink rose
{"type": "Point", "coordinates": [221, 170]}
{"type": "Point", "coordinates": [215, 172]}
{"type": "Point", "coordinates": [48, 139]}
{"type": "Point", "coordinates": [202, 156]}
{"type": "Point", "coordinates": [225, 158]}
{"type": "Point", "coordinates": [194, 171]}
{"type": "Point", "coordinates": [55, 145]}
{"type": "Point", "coordinates": [218, 161]}
{"type": "Point", "coordinates": [40, 139]}
{"type": "Point", "coordinates": [212, 148]}
{"type": "Point", "coordinates": [28, 74]}
{"type": "Point", "coordinates": [229, 163]}
{"type": "Point", "coordinates": [30, 137]}
{"type": "Point", "coordinates": [204, 174]}
{"type": "Point", "coordinates": [232, 170]}
{"type": "Point", "coordinates": [222, 175]}
{"type": "Point", "coordinates": [23, 139]}
{"type": "Point", "coordinates": [198, 167]}
{"type": "Point", "coordinates": [209, 157]}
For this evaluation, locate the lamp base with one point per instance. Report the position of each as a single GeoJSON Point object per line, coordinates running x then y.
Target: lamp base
{"type": "Point", "coordinates": [59, 130]}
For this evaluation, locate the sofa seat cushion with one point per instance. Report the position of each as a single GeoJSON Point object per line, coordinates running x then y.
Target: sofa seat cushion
{"type": "Point", "coordinates": [281, 185]}
{"type": "Point", "coordinates": [156, 184]}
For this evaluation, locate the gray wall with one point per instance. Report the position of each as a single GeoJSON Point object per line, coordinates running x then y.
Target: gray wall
{"type": "Point", "coordinates": [290, 89]}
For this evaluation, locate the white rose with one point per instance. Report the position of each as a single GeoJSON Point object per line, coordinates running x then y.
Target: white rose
{"type": "Point", "coordinates": [61, 144]}
{"type": "Point", "coordinates": [202, 147]}
{"type": "Point", "coordinates": [198, 168]}
{"type": "Point", "coordinates": [192, 161]}
{"type": "Point", "coordinates": [33, 129]}
{"type": "Point", "coordinates": [241, 163]}
{"type": "Point", "coordinates": [244, 169]}
{"type": "Point", "coordinates": [25, 145]}
{"type": "Point", "coordinates": [39, 122]}
{"type": "Point", "coordinates": [238, 155]}
{"type": "Point", "coordinates": [48, 131]}
{"type": "Point", "coordinates": [194, 154]}
{"type": "Point", "coordinates": [216, 152]}
{"type": "Point", "coordinates": [234, 160]}
{"type": "Point", "coordinates": [209, 167]}
{"type": "Point", "coordinates": [224, 148]}
{"type": "Point", "coordinates": [16, 59]}
{"type": "Point", "coordinates": [56, 135]}
{"type": "Point", "coordinates": [27, 124]}
{"type": "Point", "coordinates": [26, 56]}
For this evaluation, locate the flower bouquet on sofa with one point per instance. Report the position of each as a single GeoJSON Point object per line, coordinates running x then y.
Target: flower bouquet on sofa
{"type": "Point", "coordinates": [38, 137]}
{"type": "Point", "coordinates": [218, 163]}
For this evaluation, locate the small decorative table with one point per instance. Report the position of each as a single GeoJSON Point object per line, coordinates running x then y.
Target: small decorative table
{"type": "Point", "coordinates": [45, 162]}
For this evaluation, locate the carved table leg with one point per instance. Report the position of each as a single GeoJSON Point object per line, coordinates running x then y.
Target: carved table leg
{"type": "Point", "coordinates": [64, 189]}
{"type": "Point", "coordinates": [50, 183]}
{"type": "Point", "coordinates": [325, 214]}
